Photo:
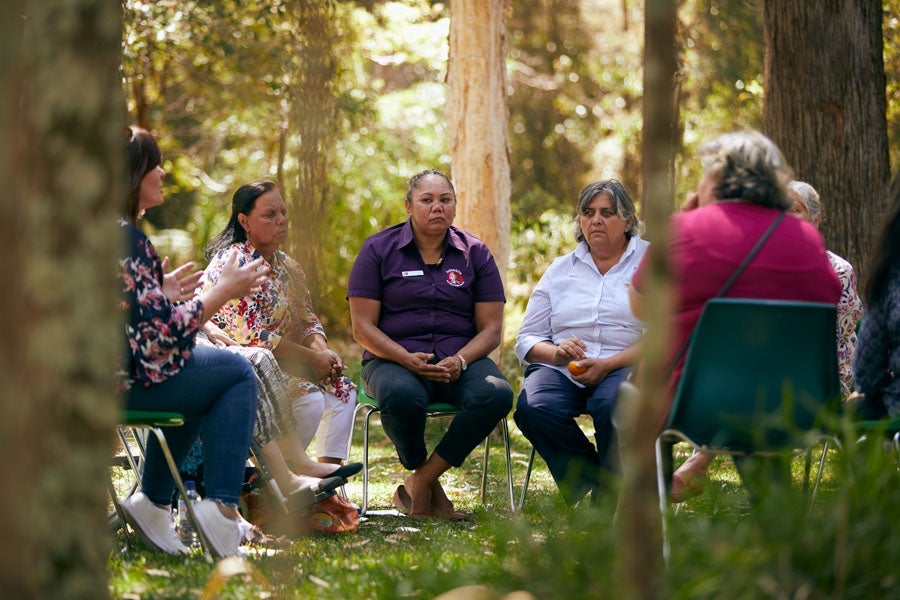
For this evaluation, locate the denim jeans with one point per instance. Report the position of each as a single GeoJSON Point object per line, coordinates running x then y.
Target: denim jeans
{"type": "Point", "coordinates": [482, 393]}
{"type": "Point", "coordinates": [216, 393]}
{"type": "Point", "coordinates": [545, 413]}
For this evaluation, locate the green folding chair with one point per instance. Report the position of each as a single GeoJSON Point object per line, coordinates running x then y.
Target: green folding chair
{"type": "Point", "coordinates": [369, 406]}
{"type": "Point", "coordinates": [760, 376]}
{"type": "Point", "coordinates": [152, 422]}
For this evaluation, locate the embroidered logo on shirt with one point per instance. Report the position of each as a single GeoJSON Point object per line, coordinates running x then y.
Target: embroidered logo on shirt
{"type": "Point", "coordinates": [454, 277]}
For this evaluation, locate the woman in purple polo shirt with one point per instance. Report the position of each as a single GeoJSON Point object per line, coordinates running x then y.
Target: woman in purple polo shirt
{"type": "Point", "coordinates": [426, 302]}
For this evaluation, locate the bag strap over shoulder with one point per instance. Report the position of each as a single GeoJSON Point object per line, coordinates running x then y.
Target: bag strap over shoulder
{"type": "Point", "coordinates": [734, 276]}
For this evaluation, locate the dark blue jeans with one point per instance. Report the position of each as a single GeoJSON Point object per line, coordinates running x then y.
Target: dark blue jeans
{"type": "Point", "coordinates": [545, 413]}
{"type": "Point", "coordinates": [482, 393]}
{"type": "Point", "coordinates": [216, 393]}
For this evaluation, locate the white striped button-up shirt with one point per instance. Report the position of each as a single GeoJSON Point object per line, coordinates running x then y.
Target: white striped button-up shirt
{"type": "Point", "coordinates": [573, 300]}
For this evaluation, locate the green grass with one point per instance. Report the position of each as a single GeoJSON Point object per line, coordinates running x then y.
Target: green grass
{"type": "Point", "coordinates": [848, 546]}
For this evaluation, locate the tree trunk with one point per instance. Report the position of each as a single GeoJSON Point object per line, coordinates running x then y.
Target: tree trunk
{"type": "Point", "coordinates": [477, 121]}
{"type": "Point", "coordinates": [312, 121]}
{"type": "Point", "coordinates": [638, 518]}
{"type": "Point", "coordinates": [61, 165]}
{"type": "Point", "coordinates": [825, 108]}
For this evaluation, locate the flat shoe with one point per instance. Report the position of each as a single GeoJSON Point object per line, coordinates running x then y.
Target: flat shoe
{"type": "Point", "coordinates": [348, 470]}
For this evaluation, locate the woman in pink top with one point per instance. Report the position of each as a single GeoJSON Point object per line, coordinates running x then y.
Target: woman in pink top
{"type": "Point", "coordinates": [742, 193]}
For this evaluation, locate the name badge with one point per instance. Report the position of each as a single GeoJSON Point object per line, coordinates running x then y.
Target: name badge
{"type": "Point", "coordinates": [413, 273]}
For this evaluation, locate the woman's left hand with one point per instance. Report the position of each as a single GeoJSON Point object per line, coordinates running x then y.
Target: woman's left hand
{"type": "Point", "coordinates": [179, 285]}
{"type": "Point", "coordinates": [452, 364]}
{"type": "Point", "coordinates": [597, 370]}
{"type": "Point", "coordinates": [327, 365]}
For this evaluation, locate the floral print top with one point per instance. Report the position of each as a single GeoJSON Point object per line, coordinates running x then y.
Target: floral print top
{"type": "Point", "coordinates": [160, 335]}
{"type": "Point", "coordinates": [877, 359]}
{"type": "Point", "coordinates": [282, 309]}
{"type": "Point", "coordinates": [849, 312]}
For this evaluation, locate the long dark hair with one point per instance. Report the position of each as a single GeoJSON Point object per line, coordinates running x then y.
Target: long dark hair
{"type": "Point", "coordinates": [887, 250]}
{"type": "Point", "coordinates": [242, 203]}
{"type": "Point", "coordinates": [143, 157]}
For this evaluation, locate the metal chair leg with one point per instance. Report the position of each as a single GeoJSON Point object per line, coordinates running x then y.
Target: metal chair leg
{"type": "Point", "coordinates": [509, 477]}
{"type": "Point", "coordinates": [164, 446]}
{"type": "Point", "coordinates": [365, 493]}
{"type": "Point", "coordinates": [527, 479]}
{"type": "Point", "coordinates": [663, 500]}
{"type": "Point", "coordinates": [266, 473]}
{"type": "Point", "coordinates": [484, 470]}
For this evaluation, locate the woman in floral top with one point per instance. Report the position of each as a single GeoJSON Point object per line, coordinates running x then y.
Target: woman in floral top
{"type": "Point", "coordinates": [163, 371]}
{"type": "Point", "coordinates": [806, 206]}
{"type": "Point", "coordinates": [306, 386]}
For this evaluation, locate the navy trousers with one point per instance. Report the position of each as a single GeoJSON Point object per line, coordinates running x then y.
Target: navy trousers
{"type": "Point", "coordinates": [545, 413]}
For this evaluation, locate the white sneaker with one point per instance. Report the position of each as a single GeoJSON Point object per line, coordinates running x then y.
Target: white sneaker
{"type": "Point", "coordinates": [153, 524]}
{"type": "Point", "coordinates": [222, 533]}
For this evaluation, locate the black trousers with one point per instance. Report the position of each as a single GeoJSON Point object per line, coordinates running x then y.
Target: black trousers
{"type": "Point", "coordinates": [483, 395]}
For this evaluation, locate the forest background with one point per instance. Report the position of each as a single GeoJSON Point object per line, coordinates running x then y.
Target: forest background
{"type": "Point", "coordinates": [341, 102]}
{"type": "Point", "coordinates": [234, 89]}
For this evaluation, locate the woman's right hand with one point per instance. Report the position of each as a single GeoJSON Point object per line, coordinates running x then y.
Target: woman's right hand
{"type": "Point", "coordinates": [242, 281]}
{"type": "Point", "coordinates": [569, 350]}
{"type": "Point", "coordinates": [419, 363]}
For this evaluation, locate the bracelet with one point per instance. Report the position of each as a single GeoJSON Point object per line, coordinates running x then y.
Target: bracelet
{"type": "Point", "coordinates": [463, 365]}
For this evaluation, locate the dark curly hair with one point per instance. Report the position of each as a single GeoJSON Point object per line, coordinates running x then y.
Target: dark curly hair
{"type": "Point", "coordinates": [747, 165]}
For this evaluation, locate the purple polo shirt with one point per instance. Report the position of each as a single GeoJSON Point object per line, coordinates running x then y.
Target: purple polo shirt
{"type": "Point", "coordinates": [426, 309]}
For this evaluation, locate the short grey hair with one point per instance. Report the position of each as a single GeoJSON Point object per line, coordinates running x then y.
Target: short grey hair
{"type": "Point", "coordinates": [808, 195]}
{"type": "Point", "coordinates": [621, 203]}
{"type": "Point", "coordinates": [746, 165]}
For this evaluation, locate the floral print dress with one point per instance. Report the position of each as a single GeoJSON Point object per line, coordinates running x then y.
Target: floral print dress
{"type": "Point", "coordinates": [849, 312]}
{"type": "Point", "coordinates": [281, 310]}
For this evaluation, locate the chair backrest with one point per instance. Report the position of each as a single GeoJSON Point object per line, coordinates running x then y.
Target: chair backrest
{"type": "Point", "coordinates": [758, 373]}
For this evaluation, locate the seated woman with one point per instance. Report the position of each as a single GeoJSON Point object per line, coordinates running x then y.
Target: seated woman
{"type": "Point", "coordinates": [426, 302]}
{"type": "Point", "coordinates": [579, 312]}
{"type": "Point", "coordinates": [805, 205]}
{"type": "Point", "coordinates": [163, 371]}
{"type": "Point", "coordinates": [877, 359]}
{"type": "Point", "coordinates": [275, 328]}
{"type": "Point", "coordinates": [742, 193]}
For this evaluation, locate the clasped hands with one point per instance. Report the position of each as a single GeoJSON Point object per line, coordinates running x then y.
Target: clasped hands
{"type": "Point", "coordinates": [573, 349]}
{"type": "Point", "coordinates": [444, 371]}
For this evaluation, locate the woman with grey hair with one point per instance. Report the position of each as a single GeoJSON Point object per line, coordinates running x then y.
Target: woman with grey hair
{"type": "Point", "coordinates": [579, 340]}
{"type": "Point", "coordinates": [741, 198]}
{"type": "Point", "coordinates": [806, 206]}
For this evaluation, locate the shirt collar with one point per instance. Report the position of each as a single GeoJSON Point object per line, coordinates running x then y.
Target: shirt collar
{"type": "Point", "coordinates": [582, 252]}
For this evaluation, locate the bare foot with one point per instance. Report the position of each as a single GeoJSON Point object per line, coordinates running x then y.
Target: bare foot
{"type": "Point", "coordinates": [441, 504]}
{"type": "Point", "coordinates": [420, 498]}
{"type": "Point", "coordinates": [299, 481]}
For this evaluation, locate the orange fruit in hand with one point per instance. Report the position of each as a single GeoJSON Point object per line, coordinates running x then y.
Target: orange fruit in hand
{"type": "Point", "coordinates": [576, 369]}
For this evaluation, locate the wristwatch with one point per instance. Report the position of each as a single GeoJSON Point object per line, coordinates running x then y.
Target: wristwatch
{"type": "Point", "coordinates": [462, 362]}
